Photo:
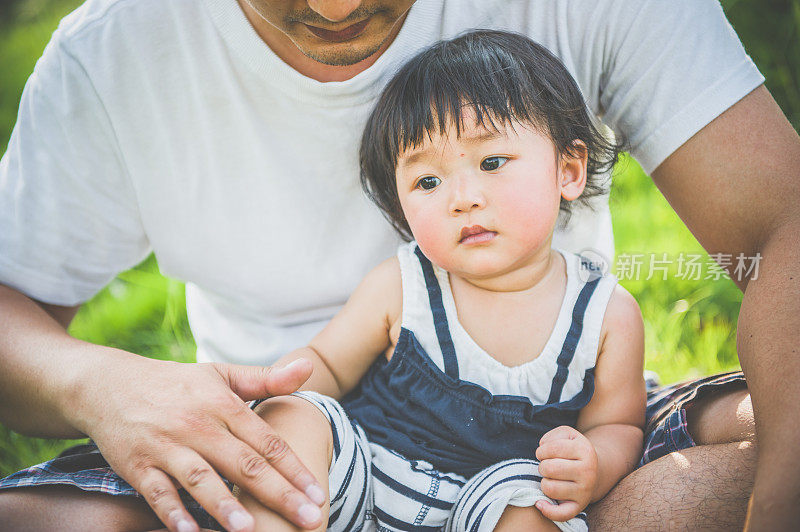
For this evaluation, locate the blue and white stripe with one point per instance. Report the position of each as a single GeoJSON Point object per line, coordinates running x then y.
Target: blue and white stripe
{"type": "Point", "coordinates": [511, 483]}
{"type": "Point", "coordinates": [374, 488]}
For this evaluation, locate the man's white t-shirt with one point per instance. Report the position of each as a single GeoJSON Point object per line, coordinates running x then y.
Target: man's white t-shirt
{"type": "Point", "coordinates": [170, 126]}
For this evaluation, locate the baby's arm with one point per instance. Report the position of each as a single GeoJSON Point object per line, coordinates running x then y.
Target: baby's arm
{"type": "Point", "coordinates": [343, 351]}
{"type": "Point", "coordinates": [586, 463]}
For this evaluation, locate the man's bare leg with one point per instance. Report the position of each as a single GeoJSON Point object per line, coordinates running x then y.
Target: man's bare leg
{"type": "Point", "coordinates": [69, 508]}
{"type": "Point", "coordinates": [702, 488]}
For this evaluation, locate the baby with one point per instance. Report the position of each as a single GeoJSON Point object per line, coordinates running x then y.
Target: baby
{"type": "Point", "coordinates": [480, 379]}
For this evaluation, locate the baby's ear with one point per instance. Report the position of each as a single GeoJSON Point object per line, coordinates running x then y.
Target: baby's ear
{"type": "Point", "coordinates": [572, 170]}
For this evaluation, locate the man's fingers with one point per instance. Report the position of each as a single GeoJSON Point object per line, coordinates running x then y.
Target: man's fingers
{"type": "Point", "coordinates": [564, 511]}
{"type": "Point", "coordinates": [259, 382]}
{"type": "Point", "coordinates": [162, 496]}
{"type": "Point", "coordinates": [255, 432]}
{"type": "Point", "coordinates": [254, 471]}
{"type": "Point", "coordinates": [206, 487]}
{"type": "Point", "coordinates": [560, 469]}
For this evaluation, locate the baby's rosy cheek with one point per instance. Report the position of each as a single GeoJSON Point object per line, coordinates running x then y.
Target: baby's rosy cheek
{"type": "Point", "coordinates": [519, 205]}
{"type": "Point", "coordinates": [428, 235]}
{"type": "Point", "coordinates": [532, 214]}
{"type": "Point", "coordinates": [432, 237]}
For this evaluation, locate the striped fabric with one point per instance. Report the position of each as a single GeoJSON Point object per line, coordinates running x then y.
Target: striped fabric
{"type": "Point", "coordinates": [374, 488]}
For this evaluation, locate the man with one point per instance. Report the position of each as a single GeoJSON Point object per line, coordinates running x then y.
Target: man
{"type": "Point", "coordinates": [224, 138]}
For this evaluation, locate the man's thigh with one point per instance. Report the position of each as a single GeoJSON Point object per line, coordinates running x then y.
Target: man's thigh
{"type": "Point", "coordinates": [69, 508]}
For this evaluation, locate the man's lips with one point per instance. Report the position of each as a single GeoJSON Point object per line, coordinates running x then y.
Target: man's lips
{"type": "Point", "coordinates": [350, 32]}
{"type": "Point", "coordinates": [476, 234]}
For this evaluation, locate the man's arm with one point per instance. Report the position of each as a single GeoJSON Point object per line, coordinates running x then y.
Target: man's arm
{"type": "Point", "coordinates": [151, 419]}
{"type": "Point", "coordinates": [62, 315]}
{"type": "Point", "coordinates": [736, 185]}
{"type": "Point", "coordinates": [50, 321]}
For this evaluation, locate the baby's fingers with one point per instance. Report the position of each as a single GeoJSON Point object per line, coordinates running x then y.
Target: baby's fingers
{"type": "Point", "coordinates": [563, 511]}
{"type": "Point", "coordinates": [561, 448]}
{"type": "Point", "coordinates": [561, 469]}
{"type": "Point", "coordinates": [559, 490]}
{"type": "Point", "coordinates": [562, 432]}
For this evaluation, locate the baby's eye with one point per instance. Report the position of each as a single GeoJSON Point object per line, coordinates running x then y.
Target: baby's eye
{"type": "Point", "coordinates": [493, 163]}
{"type": "Point", "coordinates": [428, 182]}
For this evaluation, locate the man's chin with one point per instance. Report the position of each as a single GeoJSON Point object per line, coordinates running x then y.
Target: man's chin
{"type": "Point", "coordinates": [342, 55]}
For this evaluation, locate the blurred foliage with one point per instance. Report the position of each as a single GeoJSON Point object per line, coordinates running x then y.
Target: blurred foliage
{"type": "Point", "coordinates": [770, 31]}
{"type": "Point", "coordinates": [20, 12]}
{"type": "Point", "coordinates": [25, 27]}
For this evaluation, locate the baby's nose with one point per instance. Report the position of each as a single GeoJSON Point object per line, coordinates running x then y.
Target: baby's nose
{"type": "Point", "coordinates": [466, 197]}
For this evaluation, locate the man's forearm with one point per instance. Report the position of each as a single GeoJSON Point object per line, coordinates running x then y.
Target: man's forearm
{"type": "Point", "coordinates": [618, 448]}
{"type": "Point", "coordinates": [767, 343]}
{"type": "Point", "coordinates": [40, 368]}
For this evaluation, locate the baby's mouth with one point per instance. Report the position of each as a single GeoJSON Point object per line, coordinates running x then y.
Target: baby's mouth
{"type": "Point", "coordinates": [476, 234]}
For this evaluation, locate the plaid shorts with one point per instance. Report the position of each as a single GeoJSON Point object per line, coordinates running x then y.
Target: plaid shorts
{"type": "Point", "coordinates": [84, 467]}
{"type": "Point", "coordinates": [665, 429]}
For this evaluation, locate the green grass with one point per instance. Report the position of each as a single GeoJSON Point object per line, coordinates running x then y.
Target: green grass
{"type": "Point", "coordinates": [690, 325]}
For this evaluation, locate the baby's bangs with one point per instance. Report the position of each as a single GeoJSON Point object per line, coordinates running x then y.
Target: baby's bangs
{"type": "Point", "coordinates": [451, 83]}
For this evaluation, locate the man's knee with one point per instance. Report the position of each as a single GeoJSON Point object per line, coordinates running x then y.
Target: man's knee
{"type": "Point", "coordinates": [722, 418]}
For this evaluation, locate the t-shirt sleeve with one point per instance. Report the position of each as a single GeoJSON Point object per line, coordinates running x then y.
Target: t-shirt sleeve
{"type": "Point", "coordinates": [670, 67]}
{"type": "Point", "coordinates": [69, 220]}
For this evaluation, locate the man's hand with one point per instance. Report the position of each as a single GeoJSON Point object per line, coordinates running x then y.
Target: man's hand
{"type": "Point", "coordinates": [568, 465]}
{"type": "Point", "coordinates": [162, 425]}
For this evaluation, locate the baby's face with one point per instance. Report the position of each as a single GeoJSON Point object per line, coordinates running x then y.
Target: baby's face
{"type": "Point", "coordinates": [485, 204]}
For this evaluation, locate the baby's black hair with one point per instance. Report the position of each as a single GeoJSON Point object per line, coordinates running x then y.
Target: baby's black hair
{"type": "Point", "coordinates": [504, 77]}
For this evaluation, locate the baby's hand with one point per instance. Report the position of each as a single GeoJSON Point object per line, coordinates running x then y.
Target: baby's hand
{"type": "Point", "coordinates": [568, 466]}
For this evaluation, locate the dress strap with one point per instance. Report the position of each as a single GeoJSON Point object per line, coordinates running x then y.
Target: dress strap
{"type": "Point", "coordinates": [571, 341]}
{"type": "Point", "coordinates": [439, 316]}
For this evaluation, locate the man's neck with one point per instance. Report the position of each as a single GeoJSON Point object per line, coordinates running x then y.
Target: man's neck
{"type": "Point", "coordinates": [286, 50]}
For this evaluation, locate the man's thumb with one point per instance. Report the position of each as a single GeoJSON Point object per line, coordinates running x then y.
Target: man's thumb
{"type": "Point", "coordinates": [259, 382]}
